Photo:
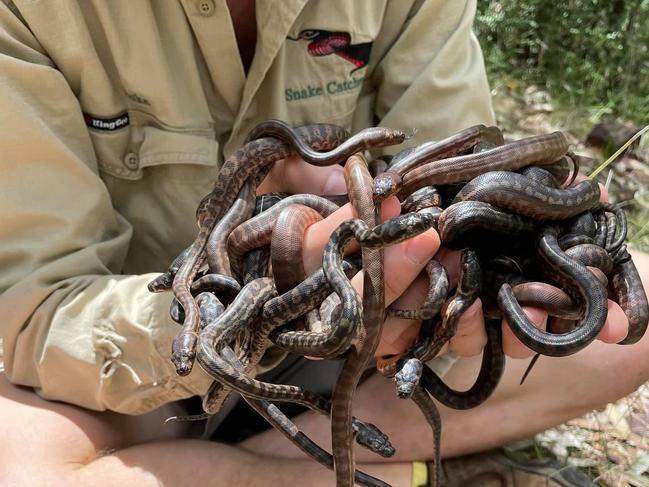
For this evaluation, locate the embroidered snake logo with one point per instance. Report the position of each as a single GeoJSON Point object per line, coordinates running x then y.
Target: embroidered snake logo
{"type": "Point", "coordinates": [324, 43]}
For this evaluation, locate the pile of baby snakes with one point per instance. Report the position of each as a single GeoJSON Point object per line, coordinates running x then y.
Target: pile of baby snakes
{"type": "Point", "coordinates": [528, 236]}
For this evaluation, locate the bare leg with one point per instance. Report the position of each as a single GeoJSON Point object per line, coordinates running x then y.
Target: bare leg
{"type": "Point", "coordinates": [557, 390]}
{"type": "Point", "coordinates": [46, 443]}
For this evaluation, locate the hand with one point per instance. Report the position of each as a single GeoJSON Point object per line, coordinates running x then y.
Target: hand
{"type": "Point", "coordinates": [403, 262]}
{"type": "Point", "coordinates": [471, 336]}
{"type": "Point", "coordinates": [615, 328]}
{"type": "Point", "coordinates": [467, 341]}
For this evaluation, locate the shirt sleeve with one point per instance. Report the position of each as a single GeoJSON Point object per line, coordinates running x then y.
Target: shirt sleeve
{"type": "Point", "coordinates": [72, 327]}
{"type": "Point", "coordinates": [433, 79]}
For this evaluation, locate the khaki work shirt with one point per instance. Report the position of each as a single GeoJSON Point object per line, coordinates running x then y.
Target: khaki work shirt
{"type": "Point", "coordinates": [114, 118]}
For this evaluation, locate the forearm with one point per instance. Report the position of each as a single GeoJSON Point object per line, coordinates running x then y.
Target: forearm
{"type": "Point", "coordinates": [172, 463]}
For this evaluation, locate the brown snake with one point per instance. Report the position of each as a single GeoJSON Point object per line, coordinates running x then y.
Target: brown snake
{"type": "Point", "coordinates": [518, 193]}
{"type": "Point", "coordinates": [340, 332]}
{"type": "Point", "coordinates": [214, 337]}
{"type": "Point", "coordinates": [541, 149]}
{"type": "Point", "coordinates": [627, 289]}
{"type": "Point", "coordinates": [236, 170]}
{"type": "Point", "coordinates": [388, 182]}
{"type": "Point", "coordinates": [285, 426]}
{"type": "Point", "coordinates": [580, 282]}
{"type": "Point", "coordinates": [359, 184]}
{"type": "Point", "coordinates": [276, 312]}
{"type": "Point", "coordinates": [368, 138]}
{"type": "Point", "coordinates": [368, 435]}
{"type": "Point", "coordinates": [286, 245]}
{"type": "Point", "coordinates": [257, 231]}
{"type": "Point", "coordinates": [216, 247]}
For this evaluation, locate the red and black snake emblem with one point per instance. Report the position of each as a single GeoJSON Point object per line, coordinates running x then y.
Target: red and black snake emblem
{"type": "Point", "coordinates": [324, 42]}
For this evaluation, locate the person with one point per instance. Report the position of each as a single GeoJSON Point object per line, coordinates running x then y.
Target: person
{"type": "Point", "coordinates": [116, 117]}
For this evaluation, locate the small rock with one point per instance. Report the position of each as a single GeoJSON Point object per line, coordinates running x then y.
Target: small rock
{"type": "Point", "coordinates": [613, 134]}
{"type": "Point", "coordinates": [641, 464]}
{"type": "Point", "coordinates": [537, 100]}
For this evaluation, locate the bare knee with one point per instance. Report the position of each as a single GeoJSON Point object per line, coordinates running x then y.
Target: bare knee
{"type": "Point", "coordinates": [42, 439]}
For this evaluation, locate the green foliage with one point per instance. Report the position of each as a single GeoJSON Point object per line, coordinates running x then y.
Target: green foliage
{"type": "Point", "coordinates": [586, 52]}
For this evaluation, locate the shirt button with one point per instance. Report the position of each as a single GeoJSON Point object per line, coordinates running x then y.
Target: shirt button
{"type": "Point", "coordinates": [206, 7]}
{"type": "Point", "coordinates": [131, 161]}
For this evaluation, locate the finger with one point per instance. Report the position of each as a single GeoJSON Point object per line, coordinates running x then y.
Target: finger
{"type": "Point", "coordinates": [293, 175]}
{"type": "Point", "coordinates": [603, 192]}
{"type": "Point", "coordinates": [512, 346]}
{"type": "Point", "coordinates": [471, 335]}
{"type": "Point", "coordinates": [317, 235]}
{"type": "Point", "coordinates": [400, 334]}
{"type": "Point", "coordinates": [397, 336]}
{"type": "Point", "coordinates": [616, 326]}
{"type": "Point", "coordinates": [402, 264]}
{"type": "Point", "coordinates": [450, 259]}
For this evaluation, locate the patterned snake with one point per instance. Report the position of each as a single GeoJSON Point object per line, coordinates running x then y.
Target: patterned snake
{"type": "Point", "coordinates": [579, 281]}
{"type": "Point", "coordinates": [227, 324]}
{"type": "Point", "coordinates": [255, 155]}
{"type": "Point", "coordinates": [285, 426]}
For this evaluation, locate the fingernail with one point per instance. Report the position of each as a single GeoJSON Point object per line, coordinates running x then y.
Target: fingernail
{"type": "Point", "coordinates": [421, 249]}
{"type": "Point", "coordinates": [468, 317]}
{"type": "Point", "coordinates": [335, 183]}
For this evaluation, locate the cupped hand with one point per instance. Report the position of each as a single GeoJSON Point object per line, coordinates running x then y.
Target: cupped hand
{"type": "Point", "coordinates": [403, 262]}
{"type": "Point", "coordinates": [405, 284]}
{"type": "Point", "coordinates": [472, 322]}
{"type": "Point", "coordinates": [471, 336]}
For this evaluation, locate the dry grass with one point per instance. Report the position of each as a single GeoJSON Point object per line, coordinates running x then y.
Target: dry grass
{"type": "Point", "coordinates": [610, 444]}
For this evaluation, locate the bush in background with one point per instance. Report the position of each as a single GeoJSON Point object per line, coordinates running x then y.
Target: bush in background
{"type": "Point", "coordinates": [587, 53]}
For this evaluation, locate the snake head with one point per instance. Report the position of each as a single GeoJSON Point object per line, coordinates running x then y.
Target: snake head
{"type": "Point", "coordinates": [397, 136]}
{"type": "Point", "coordinates": [385, 185]}
{"type": "Point", "coordinates": [161, 283]}
{"type": "Point", "coordinates": [184, 364]}
{"type": "Point", "coordinates": [369, 436]}
{"type": "Point", "coordinates": [408, 377]}
{"type": "Point", "coordinates": [405, 389]}
{"type": "Point", "coordinates": [183, 353]}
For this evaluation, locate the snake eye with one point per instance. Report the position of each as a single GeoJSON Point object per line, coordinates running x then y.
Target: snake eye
{"type": "Point", "coordinates": [308, 34]}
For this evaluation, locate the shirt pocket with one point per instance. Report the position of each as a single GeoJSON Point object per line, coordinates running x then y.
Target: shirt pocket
{"type": "Point", "coordinates": [156, 177]}
{"type": "Point", "coordinates": [132, 153]}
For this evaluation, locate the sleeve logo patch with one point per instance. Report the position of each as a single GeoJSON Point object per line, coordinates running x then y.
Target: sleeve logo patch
{"type": "Point", "coordinates": [324, 43]}
{"type": "Point", "coordinates": [108, 124]}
